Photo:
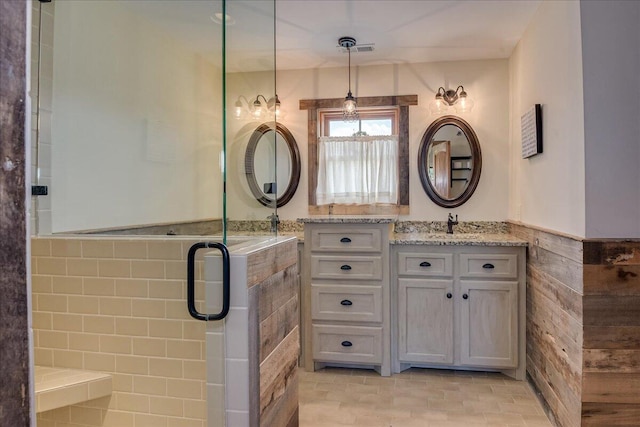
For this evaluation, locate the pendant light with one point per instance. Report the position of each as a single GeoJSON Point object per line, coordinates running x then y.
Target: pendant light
{"type": "Point", "coordinates": [349, 108]}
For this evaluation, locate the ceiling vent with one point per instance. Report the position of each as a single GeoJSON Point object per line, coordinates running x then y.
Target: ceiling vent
{"type": "Point", "coordinates": [359, 48]}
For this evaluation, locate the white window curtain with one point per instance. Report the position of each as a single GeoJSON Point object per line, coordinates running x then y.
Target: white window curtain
{"type": "Point", "coordinates": [357, 170]}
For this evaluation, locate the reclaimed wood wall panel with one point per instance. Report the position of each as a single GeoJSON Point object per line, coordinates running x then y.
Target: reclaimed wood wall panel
{"type": "Point", "coordinates": [583, 326]}
{"type": "Point", "coordinates": [274, 338]}
{"type": "Point", "coordinates": [595, 415]}
{"type": "Point", "coordinates": [279, 320]}
{"type": "Point", "coordinates": [279, 384]}
{"type": "Point", "coordinates": [603, 337]}
{"type": "Point", "coordinates": [265, 263]}
{"type": "Point", "coordinates": [554, 320]}
{"type": "Point", "coordinates": [611, 360]}
{"type": "Point", "coordinates": [14, 315]}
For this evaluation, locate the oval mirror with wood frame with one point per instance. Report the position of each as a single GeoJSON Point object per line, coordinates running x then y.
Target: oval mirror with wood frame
{"type": "Point", "coordinates": [449, 161]}
{"type": "Point", "coordinates": [272, 164]}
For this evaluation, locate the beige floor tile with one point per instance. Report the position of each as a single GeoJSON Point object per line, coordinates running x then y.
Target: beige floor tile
{"type": "Point", "coordinates": [416, 398]}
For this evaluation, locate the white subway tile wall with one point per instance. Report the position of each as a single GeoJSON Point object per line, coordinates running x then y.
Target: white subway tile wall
{"type": "Point", "coordinates": [118, 306]}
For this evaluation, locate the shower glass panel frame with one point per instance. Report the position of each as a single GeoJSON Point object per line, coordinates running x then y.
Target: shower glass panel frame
{"type": "Point", "coordinates": [134, 132]}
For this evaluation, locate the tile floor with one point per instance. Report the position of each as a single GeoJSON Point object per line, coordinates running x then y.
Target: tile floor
{"type": "Point", "coordinates": [416, 398]}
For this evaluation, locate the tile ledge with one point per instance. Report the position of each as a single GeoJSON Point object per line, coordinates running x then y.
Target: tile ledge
{"type": "Point", "coordinates": [59, 387]}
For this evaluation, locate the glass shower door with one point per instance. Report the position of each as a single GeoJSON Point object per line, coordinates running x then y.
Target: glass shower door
{"type": "Point", "coordinates": [250, 101]}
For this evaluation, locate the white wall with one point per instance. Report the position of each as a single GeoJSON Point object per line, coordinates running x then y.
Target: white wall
{"type": "Point", "coordinates": [136, 122]}
{"type": "Point", "coordinates": [611, 68]}
{"type": "Point", "coordinates": [485, 81]}
{"type": "Point", "coordinates": [548, 190]}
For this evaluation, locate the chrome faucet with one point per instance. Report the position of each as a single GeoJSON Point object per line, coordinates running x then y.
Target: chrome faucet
{"type": "Point", "coordinates": [275, 220]}
{"type": "Point", "coordinates": [451, 223]}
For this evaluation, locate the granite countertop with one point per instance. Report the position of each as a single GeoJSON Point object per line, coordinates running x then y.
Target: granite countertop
{"type": "Point", "coordinates": [459, 239]}
{"type": "Point", "coordinates": [347, 219]}
{"type": "Point", "coordinates": [466, 233]}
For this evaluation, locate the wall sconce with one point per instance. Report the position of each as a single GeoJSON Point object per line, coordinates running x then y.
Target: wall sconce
{"type": "Point", "coordinates": [240, 110]}
{"type": "Point", "coordinates": [257, 108]}
{"type": "Point", "coordinates": [458, 99]}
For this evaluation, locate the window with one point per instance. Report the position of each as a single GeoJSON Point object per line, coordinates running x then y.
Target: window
{"type": "Point", "coordinates": [317, 110]}
{"type": "Point", "coordinates": [372, 122]}
{"type": "Point", "coordinates": [358, 161]}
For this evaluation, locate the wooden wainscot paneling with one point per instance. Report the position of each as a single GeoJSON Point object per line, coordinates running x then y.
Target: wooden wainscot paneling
{"type": "Point", "coordinates": [279, 384]}
{"type": "Point", "coordinates": [611, 358]}
{"type": "Point", "coordinates": [278, 309]}
{"type": "Point", "coordinates": [267, 262]}
{"type": "Point", "coordinates": [598, 415]}
{"type": "Point", "coordinates": [554, 320]}
{"type": "Point", "coordinates": [583, 326]}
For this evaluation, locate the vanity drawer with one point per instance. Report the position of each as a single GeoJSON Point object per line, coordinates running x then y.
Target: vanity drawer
{"type": "Point", "coordinates": [346, 303]}
{"type": "Point", "coordinates": [346, 267]}
{"type": "Point", "coordinates": [489, 265]}
{"type": "Point", "coordinates": [337, 240]}
{"type": "Point", "coordinates": [350, 344]}
{"type": "Point", "coordinates": [425, 264]}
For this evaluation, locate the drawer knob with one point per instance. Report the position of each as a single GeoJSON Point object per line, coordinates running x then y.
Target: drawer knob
{"type": "Point", "coordinates": [425, 264]}
{"type": "Point", "coordinates": [346, 343]}
{"type": "Point", "coordinates": [449, 295]}
{"type": "Point", "coordinates": [488, 265]}
{"type": "Point", "coordinates": [345, 267]}
{"type": "Point", "coordinates": [345, 240]}
{"type": "Point", "coordinates": [346, 302]}
{"type": "Point", "coordinates": [465, 296]}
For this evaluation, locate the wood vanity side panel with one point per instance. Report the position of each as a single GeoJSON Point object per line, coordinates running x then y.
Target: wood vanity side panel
{"type": "Point", "coordinates": [554, 320]}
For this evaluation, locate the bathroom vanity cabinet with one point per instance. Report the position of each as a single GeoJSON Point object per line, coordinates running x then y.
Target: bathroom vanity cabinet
{"type": "Point", "coordinates": [346, 291]}
{"type": "Point", "coordinates": [459, 306]}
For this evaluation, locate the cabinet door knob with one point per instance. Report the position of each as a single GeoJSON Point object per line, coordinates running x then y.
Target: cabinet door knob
{"type": "Point", "coordinates": [345, 267]}
{"type": "Point", "coordinates": [346, 343]}
{"type": "Point", "coordinates": [449, 295]}
{"type": "Point", "coordinates": [425, 264]}
{"type": "Point", "coordinates": [345, 240]}
{"type": "Point", "coordinates": [488, 265]}
{"type": "Point", "coordinates": [465, 296]}
{"type": "Point", "coordinates": [346, 302]}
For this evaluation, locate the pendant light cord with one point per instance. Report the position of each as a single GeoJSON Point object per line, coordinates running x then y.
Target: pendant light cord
{"type": "Point", "coordinates": [349, 52]}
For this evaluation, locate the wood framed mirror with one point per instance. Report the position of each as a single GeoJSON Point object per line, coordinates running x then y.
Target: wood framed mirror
{"type": "Point", "coordinates": [272, 164]}
{"type": "Point", "coordinates": [449, 161]}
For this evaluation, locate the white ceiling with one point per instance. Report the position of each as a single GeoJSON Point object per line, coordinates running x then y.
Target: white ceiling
{"type": "Point", "coordinates": [404, 31]}
{"type": "Point", "coordinates": [307, 31]}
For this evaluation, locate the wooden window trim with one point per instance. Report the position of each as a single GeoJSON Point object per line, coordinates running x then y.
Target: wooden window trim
{"type": "Point", "coordinates": [325, 116]}
{"type": "Point", "coordinates": [313, 106]}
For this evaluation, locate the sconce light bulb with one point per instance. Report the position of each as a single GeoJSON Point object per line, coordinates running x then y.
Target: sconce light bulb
{"type": "Point", "coordinates": [276, 105]}
{"type": "Point", "coordinates": [464, 104]}
{"type": "Point", "coordinates": [438, 105]}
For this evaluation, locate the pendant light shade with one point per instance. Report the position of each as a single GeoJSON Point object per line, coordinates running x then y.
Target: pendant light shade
{"type": "Point", "coordinates": [350, 106]}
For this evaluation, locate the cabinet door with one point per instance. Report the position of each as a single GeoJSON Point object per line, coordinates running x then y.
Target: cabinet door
{"type": "Point", "coordinates": [489, 323]}
{"type": "Point", "coordinates": [425, 317]}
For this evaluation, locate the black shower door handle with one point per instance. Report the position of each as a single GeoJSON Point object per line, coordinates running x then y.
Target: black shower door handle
{"type": "Point", "coordinates": [226, 286]}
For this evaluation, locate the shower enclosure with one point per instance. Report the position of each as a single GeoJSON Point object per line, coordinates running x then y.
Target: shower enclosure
{"type": "Point", "coordinates": [137, 141]}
